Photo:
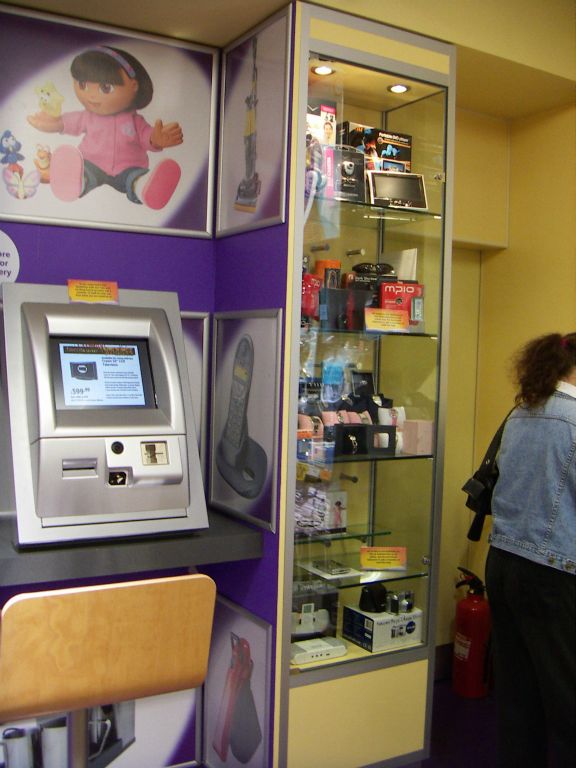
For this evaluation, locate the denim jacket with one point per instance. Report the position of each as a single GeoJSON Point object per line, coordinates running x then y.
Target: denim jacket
{"type": "Point", "coordinates": [534, 500]}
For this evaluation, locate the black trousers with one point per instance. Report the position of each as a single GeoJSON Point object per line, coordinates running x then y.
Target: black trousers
{"type": "Point", "coordinates": [534, 639]}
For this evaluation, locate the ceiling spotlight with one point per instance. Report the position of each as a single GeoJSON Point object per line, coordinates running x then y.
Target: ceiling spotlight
{"type": "Point", "coordinates": [398, 88]}
{"type": "Point", "coordinates": [323, 70]}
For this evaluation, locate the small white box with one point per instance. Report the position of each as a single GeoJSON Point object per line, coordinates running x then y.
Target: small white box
{"type": "Point", "coordinates": [381, 631]}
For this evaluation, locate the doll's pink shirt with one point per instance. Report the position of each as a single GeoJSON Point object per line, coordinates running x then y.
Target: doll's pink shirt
{"type": "Point", "coordinates": [111, 142]}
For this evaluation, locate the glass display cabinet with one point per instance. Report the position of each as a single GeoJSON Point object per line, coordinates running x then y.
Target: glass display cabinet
{"type": "Point", "coordinates": [370, 361]}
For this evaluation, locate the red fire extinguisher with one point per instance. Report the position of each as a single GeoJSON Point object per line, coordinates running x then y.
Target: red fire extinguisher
{"type": "Point", "coordinates": [470, 668]}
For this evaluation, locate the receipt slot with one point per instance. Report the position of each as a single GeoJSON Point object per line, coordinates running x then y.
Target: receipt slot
{"type": "Point", "coordinates": [98, 437]}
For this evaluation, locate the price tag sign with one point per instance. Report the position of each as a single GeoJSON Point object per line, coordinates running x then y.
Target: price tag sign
{"type": "Point", "coordinates": [383, 558]}
{"type": "Point", "coordinates": [93, 291]}
{"type": "Point", "coordinates": [386, 320]}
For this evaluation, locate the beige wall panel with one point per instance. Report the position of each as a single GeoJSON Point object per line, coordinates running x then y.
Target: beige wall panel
{"type": "Point", "coordinates": [481, 182]}
{"type": "Point", "coordinates": [529, 289]}
{"type": "Point", "coordinates": [358, 720]}
{"type": "Point", "coordinates": [531, 32]}
{"type": "Point", "coordinates": [459, 445]}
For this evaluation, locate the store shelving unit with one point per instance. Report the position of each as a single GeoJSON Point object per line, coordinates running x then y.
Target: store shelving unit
{"type": "Point", "coordinates": [369, 350]}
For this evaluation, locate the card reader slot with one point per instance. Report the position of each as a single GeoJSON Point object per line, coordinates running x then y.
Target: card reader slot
{"type": "Point", "coordinates": [79, 467]}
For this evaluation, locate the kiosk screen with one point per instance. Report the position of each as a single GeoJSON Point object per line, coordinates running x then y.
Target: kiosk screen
{"type": "Point", "coordinates": [101, 373]}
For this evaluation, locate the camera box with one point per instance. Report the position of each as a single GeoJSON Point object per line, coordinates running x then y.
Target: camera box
{"type": "Point", "coordinates": [344, 170]}
{"type": "Point", "coordinates": [381, 631]}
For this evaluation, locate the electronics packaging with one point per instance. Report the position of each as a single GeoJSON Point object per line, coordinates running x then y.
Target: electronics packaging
{"type": "Point", "coordinates": [406, 298]}
{"type": "Point", "coordinates": [319, 510]}
{"type": "Point", "coordinates": [381, 631]}
{"type": "Point", "coordinates": [393, 149]}
{"type": "Point", "coordinates": [344, 169]}
{"type": "Point", "coordinates": [316, 650]}
{"type": "Point", "coordinates": [314, 608]}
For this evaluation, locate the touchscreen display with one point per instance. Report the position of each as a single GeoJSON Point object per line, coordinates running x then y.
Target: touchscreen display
{"type": "Point", "coordinates": [101, 373]}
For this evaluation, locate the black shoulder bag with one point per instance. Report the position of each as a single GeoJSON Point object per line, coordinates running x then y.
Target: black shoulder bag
{"type": "Point", "coordinates": [480, 486]}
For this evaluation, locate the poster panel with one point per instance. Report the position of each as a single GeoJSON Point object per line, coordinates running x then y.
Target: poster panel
{"type": "Point", "coordinates": [245, 402]}
{"type": "Point", "coordinates": [105, 128]}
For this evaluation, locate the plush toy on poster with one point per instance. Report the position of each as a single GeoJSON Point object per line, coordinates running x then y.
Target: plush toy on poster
{"type": "Point", "coordinates": [111, 85]}
{"type": "Point", "coordinates": [19, 184]}
{"type": "Point", "coordinates": [10, 150]}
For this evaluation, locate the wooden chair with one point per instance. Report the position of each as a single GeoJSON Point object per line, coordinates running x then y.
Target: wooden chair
{"type": "Point", "coordinates": [71, 649]}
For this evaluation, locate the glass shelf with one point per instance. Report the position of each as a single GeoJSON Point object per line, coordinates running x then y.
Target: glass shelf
{"type": "Point", "coordinates": [352, 532]}
{"type": "Point", "coordinates": [356, 577]}
{"type": "Point", "coordinates": [357, 213]}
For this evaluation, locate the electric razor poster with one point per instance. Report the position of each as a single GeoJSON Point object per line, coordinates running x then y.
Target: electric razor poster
{"type": "Point", "coordinates": [102, 128]}
{"type": "Point", "coordinates": [252, 155]}
{"type": "Point", "coordinates": [237, 690]}
{"type": "Point", "coordinates": [245, 394]}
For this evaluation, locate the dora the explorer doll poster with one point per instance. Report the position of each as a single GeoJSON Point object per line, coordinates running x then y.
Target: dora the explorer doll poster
{"type": "Point", "coordinates": [101, 128]}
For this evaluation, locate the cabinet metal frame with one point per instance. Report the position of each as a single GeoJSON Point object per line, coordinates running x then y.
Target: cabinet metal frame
{"type": "Point", "coordinates": [308, 43]}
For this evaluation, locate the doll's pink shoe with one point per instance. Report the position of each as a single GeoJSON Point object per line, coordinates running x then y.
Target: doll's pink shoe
{"type": "Point", "coordinates": [67, 173]}
{"type": "Point", "coordinates": [160, 184]}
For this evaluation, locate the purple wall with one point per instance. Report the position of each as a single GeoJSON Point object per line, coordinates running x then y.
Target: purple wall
{"type": "Point", "coordinates": [52, 254]}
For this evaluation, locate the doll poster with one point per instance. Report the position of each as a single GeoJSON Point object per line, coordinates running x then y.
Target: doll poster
{"type": "Point", "coordinates": [102, 128]}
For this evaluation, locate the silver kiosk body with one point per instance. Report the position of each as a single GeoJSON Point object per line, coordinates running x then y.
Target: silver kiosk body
{"type": "Point", "coordinates": [97, 430]}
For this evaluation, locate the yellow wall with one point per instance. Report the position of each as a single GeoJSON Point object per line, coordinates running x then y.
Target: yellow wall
{"type": "Point", "coordinates": [528, 289]}
{"type": "Point", "coordinates": [519, 292]}
{"type": "Point", "coordinates": [481, 180]}
{"type": "Point", "coordinates": [531, 32]}
{"type": "Point", "coordinates": [365, 718]}
{"type": "Point", "coordinates": [459, 446]}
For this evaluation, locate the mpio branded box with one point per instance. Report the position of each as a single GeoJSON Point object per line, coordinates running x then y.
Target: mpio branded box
{"type": "Point", "coordinates": [406, 297]}
{"type": "Point", "coordinates": [381, 631]}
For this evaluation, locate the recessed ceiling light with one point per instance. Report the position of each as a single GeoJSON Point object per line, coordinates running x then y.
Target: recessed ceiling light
{"type": "Point", "coordinates": [398, 88]}
{"type": "Point", "coordinates": [323, 70]}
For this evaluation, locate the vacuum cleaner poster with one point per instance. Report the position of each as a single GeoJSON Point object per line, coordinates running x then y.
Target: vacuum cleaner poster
{"type": "Point", "coordinates": [252, 156]}
{"type": "Point", "coordinates": [245, 396]}
{"type": "Point", "coordinates": [237, 690]}
{"type": "Point", "coordinates": [102, 128]}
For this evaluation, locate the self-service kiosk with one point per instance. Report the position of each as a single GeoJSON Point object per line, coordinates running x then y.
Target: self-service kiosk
{"type": "Point", "coordinates": [97, 429]}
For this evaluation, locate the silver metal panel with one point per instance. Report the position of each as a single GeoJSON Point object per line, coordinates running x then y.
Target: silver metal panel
{"type": "Point", "coordinates": [63, 463]}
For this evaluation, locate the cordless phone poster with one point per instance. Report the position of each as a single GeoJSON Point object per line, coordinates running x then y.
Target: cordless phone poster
{"type": "Point", "coordinates": [105, 128]}
{"type": "Point", "coordinates": [244, 434]}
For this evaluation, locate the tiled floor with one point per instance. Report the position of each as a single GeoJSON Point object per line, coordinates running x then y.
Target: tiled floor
{"type": "Point", "coordinates": [463, 731]}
